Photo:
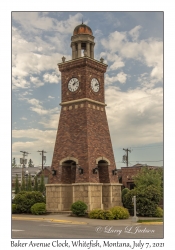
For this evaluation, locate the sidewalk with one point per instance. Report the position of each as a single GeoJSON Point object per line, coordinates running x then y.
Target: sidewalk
{"type": "Point", "coordinates": [66, 218]}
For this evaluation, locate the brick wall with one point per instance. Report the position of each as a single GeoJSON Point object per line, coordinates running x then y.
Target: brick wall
{"type": "Point", "coordinates": [84, 69]}
{"type": "Point", "coordinates": [83, 131]}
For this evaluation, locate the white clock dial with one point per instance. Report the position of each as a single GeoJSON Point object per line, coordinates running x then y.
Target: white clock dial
{"type": "Point", "coordinates": [95, 85]}
{"type": "Point", "coordinates": [73, 84]}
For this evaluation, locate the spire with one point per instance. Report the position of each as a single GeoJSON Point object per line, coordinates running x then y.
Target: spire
{"type": "Point", "coordinates": [82, 20]}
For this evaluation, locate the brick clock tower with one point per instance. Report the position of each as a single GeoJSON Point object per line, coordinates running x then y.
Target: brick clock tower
{"type": "Point", "coordinates": [83, 165]}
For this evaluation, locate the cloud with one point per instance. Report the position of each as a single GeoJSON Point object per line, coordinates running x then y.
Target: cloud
{"type": "Point", "coordinates": [52, 122]}
{"type": "Point", "coordinates": [41, 111]}
{"type": "Point", "coordinates": [149, 51]}
{"type": "Point", "coordinates": [36, 22]}
{"type": "Point", "coordinates": [134, 33]}
{"type": "Point", "coordinates": [135, 115]}
{"type": "Point", "coordinates": [19, 82]}
{"type": "Point", "coordinates": [36, 81]}
{"type": "Point", "coordinates": [146, 81]}
{"type": "Point", "coordinates": [111, 57]}
{"type": "Point", "coordinates": [52, 78]}
{"type": "Point", "coordinates": [33, 57]}
{"type": "Point", "coordinates": [120, 77]}
{"type": "Point", "coordinates": [34, 102]}
{"type": "Point", "coordinates": [23, 118]}
{"type": "Point", "coordinates": [51, 97]}
{"type": "Point", "coordinates": [40, 137]}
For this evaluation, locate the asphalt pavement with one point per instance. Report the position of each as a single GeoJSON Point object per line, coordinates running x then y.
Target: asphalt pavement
{"type": "Point", "coordinates": [69, 219]}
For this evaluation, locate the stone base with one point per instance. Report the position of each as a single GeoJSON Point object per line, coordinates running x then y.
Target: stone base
{"type": "Point", "coordinates": [111, 195]}
{"type": "Point", "coordinates": [59, 197]}
{"type": "Point", "coordinates": [89, 193]}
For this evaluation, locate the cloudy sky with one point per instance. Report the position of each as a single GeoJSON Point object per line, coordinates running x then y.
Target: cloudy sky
{"type": "Point", "coordinates": [131, 43]}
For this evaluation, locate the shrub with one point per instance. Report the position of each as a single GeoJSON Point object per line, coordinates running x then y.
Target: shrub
{"type": "Point", "coordinates": [38, 208]}
{"type": "Point", "coordinates": [127, 201]}
{"type": "Point", "coordinates": [106, 215]}
{"type": "Point", "coordinates": [124, 191]}
{"type": "Point", "coordinates": [78, 208]}
{"type": "Point", "coordinates": [94, 214]}
{"type": "Point", "coordinates": [147, 200]}
{"type": "Point", "coordinates": [14, 209]}
{"type": "Point", "coordinates": [158, 212]}
{"type": "Point", "coordinates": [119, 212]}
{"type": "Point", "coordinates": [101, 214]}
{"type": "Point", "coordinates": [25, 200]}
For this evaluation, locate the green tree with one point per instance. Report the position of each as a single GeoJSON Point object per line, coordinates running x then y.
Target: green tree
{"type": "Point", "coordinates": [29, 183]}
{"type": "Point", "coordinates": [16, 185]}
{"type": "Point", "coordinates": [42, 185]}
{"type": "Point", "coordinates": [147, 177]}
{"type": "Point", "coordinates": [23, 185]}
{"type": "Point", "coordinates": [26, 182]}
{"type": "Point", "coordinates": [36, 184]}
{"type": "Point", "coordinates": [148, 191]}
{"type": "Point", "coordinates": [147, 200]}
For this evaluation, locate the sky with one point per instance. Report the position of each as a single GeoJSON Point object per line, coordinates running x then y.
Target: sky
{"type": "Point", "coordinates": [34, 37]}
{"type": "Point", "coordinates": [131, 44]}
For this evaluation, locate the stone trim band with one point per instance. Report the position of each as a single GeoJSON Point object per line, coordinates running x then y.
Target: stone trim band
{"type": "Point", "coordinates": [82, 100]}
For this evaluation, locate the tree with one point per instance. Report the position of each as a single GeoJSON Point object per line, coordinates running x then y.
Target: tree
{"type": "Point", "coordinates": [148, 191]}
{"type": "Point", "coordinates": [147, 177]}
{"type": "Point", "coordinates": [42, 185]}
{"type": "Point", "coordinates": [23, 186]}
{"type": "Point", "coordinates": [36, 184]}
{"type": "Point", "coordinates": [29, 183]}
{"type": "Point", "coordinates": [30, 163]}
{"type": "Point", "coordinates": [147, 200]}
{"type": "Point", "coordinates": [16, 185]}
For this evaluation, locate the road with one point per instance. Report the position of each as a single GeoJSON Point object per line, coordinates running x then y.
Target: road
{"type": "Point", "coordinates": [22, 229]}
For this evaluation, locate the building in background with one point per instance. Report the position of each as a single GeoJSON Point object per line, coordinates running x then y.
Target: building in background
{"type": "Point", "coordinates": [33, 171]}
{"type": "Point", "coordinates": [126, 174]}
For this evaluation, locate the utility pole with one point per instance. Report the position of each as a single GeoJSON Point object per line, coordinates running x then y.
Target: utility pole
{"type": "Point", "coordinates": [43, 157]}
{"type": "Point", "coordinates": [127, 150]}
{"type": "Point", "coordinates": [23, 161]}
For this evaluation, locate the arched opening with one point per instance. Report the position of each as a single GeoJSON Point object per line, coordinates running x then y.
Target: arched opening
{"type": "Point", "coordinates": [102, 164]}
{"type": "Point", "coordinates": [68, 170]}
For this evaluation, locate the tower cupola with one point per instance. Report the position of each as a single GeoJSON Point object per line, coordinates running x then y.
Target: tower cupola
{"type": "Point", "coordinates": [82, 41]}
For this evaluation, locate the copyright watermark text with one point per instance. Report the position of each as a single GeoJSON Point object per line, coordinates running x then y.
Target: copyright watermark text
{"type": "Point", "coordinates": [128, 230]}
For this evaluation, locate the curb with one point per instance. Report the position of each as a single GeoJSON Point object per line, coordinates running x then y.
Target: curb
{"type": "Point", "coordinates": [150, 223]}
{"type": "Point", "coordinates": [50, 220]}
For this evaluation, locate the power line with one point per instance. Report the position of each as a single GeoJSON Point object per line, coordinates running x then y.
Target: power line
{"type": "Point", "coordinates": [147, 161]}
{"type": "Point", "coordinates": [139, 161]}
{"type": "Point", "coordinates": [140, 147]}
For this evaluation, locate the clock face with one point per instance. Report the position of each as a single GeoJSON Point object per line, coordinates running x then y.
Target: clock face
{"type": "Point", "coordinates": [73, 84]}
{"type": "Point", "coordinates": [95, 85]}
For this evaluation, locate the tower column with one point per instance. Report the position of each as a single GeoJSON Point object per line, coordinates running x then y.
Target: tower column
{"type": "Point", "coordinates": [73, 51]}
{"type": "Point", "coordinates": [88, 49]}
{"type": "Point", "coordinates": [92, 50]}
{"type": "Point", "coordinates": [79, 49]}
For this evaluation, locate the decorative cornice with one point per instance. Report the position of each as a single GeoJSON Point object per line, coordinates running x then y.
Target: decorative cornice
{"type": "Point", "coordinates": [83, 100]}
{"type": "Point", "coordinates": [81, 62]}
